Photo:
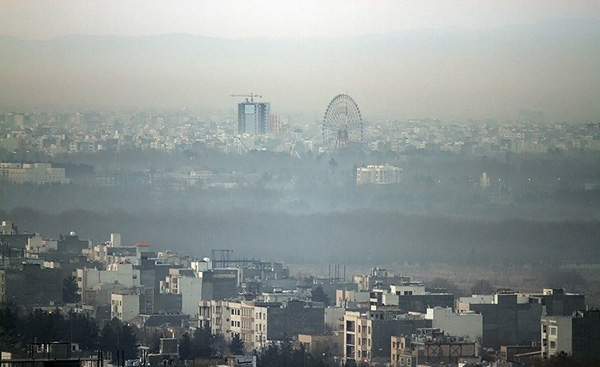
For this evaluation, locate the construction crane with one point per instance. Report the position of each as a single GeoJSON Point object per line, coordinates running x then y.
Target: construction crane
{"type": "Point", "coordinates": [249, 97]}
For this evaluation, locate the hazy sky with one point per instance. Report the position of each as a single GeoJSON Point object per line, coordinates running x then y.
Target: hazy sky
{"type": "Point", "coordinates": [474, 71]}
{"type": "Point", "coordinates": [272, 18]}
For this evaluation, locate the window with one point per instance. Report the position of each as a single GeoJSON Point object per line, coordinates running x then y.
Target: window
{"type": "Point", "coordinates": [553, 330]}
{"type": "Point", "coordinates": [552, 344]}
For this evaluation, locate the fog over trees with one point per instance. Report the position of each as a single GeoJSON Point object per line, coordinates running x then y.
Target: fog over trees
{"type": "Point", "coordinates": [439, 213]}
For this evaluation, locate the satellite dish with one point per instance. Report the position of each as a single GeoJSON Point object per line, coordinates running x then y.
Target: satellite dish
{"type": "Point", "coordinates": [206, 259]}
{"type": "Point", "coordinates": [72, 233]}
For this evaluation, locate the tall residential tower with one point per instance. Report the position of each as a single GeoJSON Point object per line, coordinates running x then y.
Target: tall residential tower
{"type": "Point", "coordinates": [253, 117]}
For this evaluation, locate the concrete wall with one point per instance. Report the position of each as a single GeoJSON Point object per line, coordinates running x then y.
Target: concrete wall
{"type": "Point", "coordinates": [293, 320]}
{"type": "Point", "coordinates": [419, 303]}
{"type": "Point", "coordinates": [32, 286]}
{"type": "Point", "coordinates": [509, 322]}
{"type": "Point", "coordinates": [468, 325]}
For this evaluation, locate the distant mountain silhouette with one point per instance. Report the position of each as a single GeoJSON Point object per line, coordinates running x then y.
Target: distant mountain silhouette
{"type": "Point", "coordinates": [446, 72]}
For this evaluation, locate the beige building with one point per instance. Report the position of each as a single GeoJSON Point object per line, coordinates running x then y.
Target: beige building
{"type": "Point", "coordinates": [322, 345]}
{"type": "Point", "coordinates": [36, 173]}
{"type": "Point", "coordinates": [378, 174]}
{"type": "Point", "coordinates": [557, 335]}
{"type": "Point", "coordinates": [259, 322]}
{"type": "Point", "coordinates": [121, 273]}
{"type": "Point", "coordinates": [430, 347]}
{"type": "Point", "coordinates": [367, 335]}
{"type": "Point", "coordinates": [125, 305]}
{"type": "Point", "coordinates": [466, 324]}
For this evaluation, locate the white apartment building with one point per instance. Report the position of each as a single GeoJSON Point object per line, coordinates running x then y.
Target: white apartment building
{"type": "Point", "coordinates": [37, 173]}
{"type": "Point", "coordinates": [367, 335]}
{"type": "Point", "coordinates": [186, 283]}
{"type": "Point", "coordinates": [557, 335]}
{"type": "Point", "coordinates": [378, 174]}
{"type": "Point", "coordinates": [259, 322]}
{"type": "Point", "coordinates": [125, 305]}
{"type": "Point", "coordinates": [466, 324]}
{"type": "Point", "coordinates": [38, 245]}
{"type": "Point", "coordinates": [120, 273]}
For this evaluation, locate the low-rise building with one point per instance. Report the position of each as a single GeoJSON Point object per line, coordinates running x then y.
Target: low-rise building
{"type": "Point", "coordinates": [577, 335]}
{"type": "Point", "coordinates": [430, 347]}
{"type": "Point", "coordinates": [193, 286]}
{"type": "Point", "coordinates": [36, 173]}
{"type": "Point", "coordinates": [121, 273]}
{"type": "Point", "coordinates": [508, 318]}
{"type": "Point", "coordinates": [125, 305]}
{"type": "Point", "coordinates": [378, 174]}
{"type": "Point", "coordinates": [259, 322]}
{"type": "Point", "coordinates": [466, 324]}
{"type": "Point", "coordinates": [367, 335]}
{"type": "Point", "coordinates": [31, 285]}
{"type": "Point", "coordinates": [556, 302]}
{"type": "Point", "coordinates": [322, 345]}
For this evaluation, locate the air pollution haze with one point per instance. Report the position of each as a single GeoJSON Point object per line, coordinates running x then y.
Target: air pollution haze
{"type": "Point", "coordinates": [447, 73]}
{"type": "Point", "coordinates": [175, 176]}
{"type": "Point", "coordinates": [139, 114]}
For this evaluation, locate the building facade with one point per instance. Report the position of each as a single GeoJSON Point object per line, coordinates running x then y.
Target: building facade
{"type": "Point", "coordinates": [367, 335]}
{"type": "Point", "coordinates": [463, 324]}
{"type": "Point", "coordinates": [378, 174]}
{"type": "Point", "coordinates": [577, 335]}
{"type": "Point", "coordinates": [508, 318]}
{"type": "Point", "coordinates": [36, 173]}
{"type": "Point", "coordinates": [253, 117]}
{"type": "Point", "coordinates": [257, 323]}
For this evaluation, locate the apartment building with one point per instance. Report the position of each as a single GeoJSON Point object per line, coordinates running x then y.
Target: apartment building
{"type": "Point", "coordinates": [257, 323]}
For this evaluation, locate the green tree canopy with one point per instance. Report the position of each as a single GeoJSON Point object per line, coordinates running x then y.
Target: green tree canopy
{"type": "Point", "coordinates": [236, 346]}
{"type": "Point", "coordinates": [317, 295]}
{"type": "Point", "coordinates": [186, 348]}
{"type": "Point", "coordinates": [69, 290]}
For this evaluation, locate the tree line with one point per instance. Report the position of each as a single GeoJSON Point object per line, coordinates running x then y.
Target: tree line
{"type": "Point", "coordinates": [18, 329]}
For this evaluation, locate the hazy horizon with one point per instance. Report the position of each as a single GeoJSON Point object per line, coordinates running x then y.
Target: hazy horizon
{"type": "Point", "coordinates": [446, 73]}
{"type": "Point", "coordinates": [273, 19]}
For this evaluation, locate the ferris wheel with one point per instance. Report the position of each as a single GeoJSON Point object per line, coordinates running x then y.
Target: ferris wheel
{"type": "Point", "coordinates": [342, 124]}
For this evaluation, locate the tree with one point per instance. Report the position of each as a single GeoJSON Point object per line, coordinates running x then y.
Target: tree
{"type": "Point", "coordinates": [82, 329]}
{"type": "Point", "coordinates": [318, 295]}
{"type": "Point", "coordinates": [154, 343]}
{"type": "Point", "coordinates": [201, 343]}
{"type": "Point", "coordinates": [69, 290]}
{"type": "Point", "coordinates": [236, 346]}
{"type": "Point", "coordinates": [118, 337]}
{"type": "Point", "coordinates": [108, 341]}
{"type": "Point", "coordinates": [128, 341]}
{"type": "Point", "coordinates": [482, 287]}
{"type": "Point", "coordinates": [186, 348]}
{"type": "Point", "coordinates": [9, 322]}
{"type": "Point", "coordinates": [44, 326]}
